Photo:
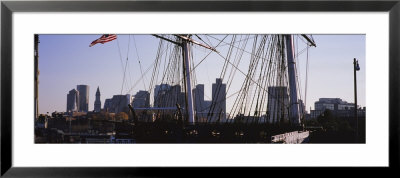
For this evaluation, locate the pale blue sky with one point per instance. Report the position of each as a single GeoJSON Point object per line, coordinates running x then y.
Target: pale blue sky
{"type": "Point", "coordinates": [67, 60]}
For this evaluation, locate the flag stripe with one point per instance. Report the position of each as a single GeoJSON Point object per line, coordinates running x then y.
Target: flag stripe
{"type": "Point", "coordinates": [103, 39]}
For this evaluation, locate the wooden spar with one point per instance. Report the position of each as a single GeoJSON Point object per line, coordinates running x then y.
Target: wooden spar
{"type": "Point", "coordinates": [166, 39]}
{"type": "Point", "coordinates": [197, 43]}
{"type": "Point", "coordinates": [309, 40]}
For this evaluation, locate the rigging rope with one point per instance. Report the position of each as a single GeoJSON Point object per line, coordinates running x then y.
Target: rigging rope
{"type": "Point", "coordinates": [138, 59]}
{"type": "Point", "coordinates": [247, 77]}
{"type": "Point", "coordinates": [120, 57]}
{"type": "Point", "coordinates": [267, 67]}
{"type": "Point", "coordinates": [306, 85]}
{"type": "Point", "coordinates": [126, 64]}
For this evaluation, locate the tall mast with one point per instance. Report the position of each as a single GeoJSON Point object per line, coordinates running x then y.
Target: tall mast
{"type": "Point", "coordinates": [187, 69]}
{"type": "Point", "coordinates": [294, 104]}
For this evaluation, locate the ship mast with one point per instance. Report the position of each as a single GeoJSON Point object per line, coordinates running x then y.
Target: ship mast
{"type": "Point", "coordinates": [185, 41]}
{"type": "Point", "coordinates": [294, 104]}
{"type": "Point", "coordinates": [186, 70]}
{"type": "Point", "coordinates": [294, 100]}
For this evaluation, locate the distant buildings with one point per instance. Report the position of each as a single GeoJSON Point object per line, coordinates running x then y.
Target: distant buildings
{"type": "Point", "coordinates": [83, 98]}
{"type": "Point", "coordinates": [198, 98]}
{"type": "Point", "coordinates": [107, 104]}
{"type": "Point", "coordinates": [97, 102]}
{"type": "Point", "coordinates": [72, 101]}
{"type": "Point", "coordinates": [278, 104]}
{"type": "Point", "coordinates": [333, 104]}
{"type": "Point", "coordinates": [302, 108]}
{"type": "Point", "coordinates": [218, 102]}
{"type": "Point", "coordinates": [168, 96]}
{"type": "Point", "coordinates": [165, 96]}
{"type": "Point", "coordinates": [201, 106]}
{"type": "Point", "coordinates": [337, 106]}
{"type": "Point", "coordinates": [118, 103]}
{"type": "Point", "coordinates": [141, 99]}
{"type": "Point", "coordinates": [159, 91]}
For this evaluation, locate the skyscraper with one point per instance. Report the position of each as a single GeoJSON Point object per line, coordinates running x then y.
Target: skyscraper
{"type": "Point", "coordinates": [168, 96]}
{"type": "Point", "coordinates": [119, 103]}
{"type": "Point", "coordinates": [142, 99]}
{"type": "Point", "coordinates": [159, 92]}
{"type": "Point", "coordinates": [83, 97]}
{"type": "Point", "coordinates": [72, 100]}
{"type": "Point", "coordinates": [107, 104]}
{"type": "Point", "coordinates": [218, 103]}
{"type": "Point", "coordinates": [97, 102]}
{"type": "Point", "coordinates": [278, 104]}
{"type": "Point", "coordinates": [198, 93]}
{"type": "Point", "coordinates": [202, 107]}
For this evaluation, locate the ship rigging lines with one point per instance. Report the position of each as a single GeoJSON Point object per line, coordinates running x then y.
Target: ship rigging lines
{"type": "Point", "coordinates": [260, 59]}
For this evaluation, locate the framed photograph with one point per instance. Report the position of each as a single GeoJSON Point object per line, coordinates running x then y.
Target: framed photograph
{"type": "Point", "coordinates": [104, 88]}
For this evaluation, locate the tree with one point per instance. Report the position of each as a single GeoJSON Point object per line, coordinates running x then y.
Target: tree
{"type": "Point", "coordinates": [312, 122]}
{"type": "Point", "coordinates": [121, 116]}
{"type": "Point", "coordinates": [333, 123]}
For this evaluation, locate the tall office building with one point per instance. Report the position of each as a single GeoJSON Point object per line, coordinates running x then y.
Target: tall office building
{"type": "Point", "coordinates": [278, 104]}
{"type": "Point", "coordinates": [201, 106]}
{"type": "Point", "coordinates": [72, 100]}
{"type": "Point", "coordinates": [198, 97]}
{"type": "Point", "coordinates": [119, 103]}
{"type": "Point", "coordinates": [168, 96]}
{"type": "Point", "coordinates": [302, 107]}
{"type": "Point", "coordinates": [218, 102]}
{"type": "Point", "coordinates": [159, 92]}
{"type": "Point", "coordinates": [107, 104]}
{"type": "Point", "coordinates": [176, 96]}
{"type": "Point", "coordinates": [83, 97]}
{"type": "Point", "coordinates": [142, 99]}
{"type": "Point", "coordinates": [97, 102]}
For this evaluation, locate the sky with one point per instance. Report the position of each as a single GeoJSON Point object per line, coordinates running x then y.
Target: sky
{"type": "Point", "coordinates": [66, 61]}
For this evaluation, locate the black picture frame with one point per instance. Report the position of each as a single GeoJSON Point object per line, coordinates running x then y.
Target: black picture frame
{"type": "Point", "coordinates": [8, 7]}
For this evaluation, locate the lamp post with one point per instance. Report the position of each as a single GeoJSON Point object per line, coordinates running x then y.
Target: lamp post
{"type": "Point", "coordinates": [36, 38]}
{"type": "Point", "coordinates": [356, 68]}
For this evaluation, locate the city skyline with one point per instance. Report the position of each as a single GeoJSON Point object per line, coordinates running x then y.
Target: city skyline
{"type": "Point", "coordinates": [68, 59]}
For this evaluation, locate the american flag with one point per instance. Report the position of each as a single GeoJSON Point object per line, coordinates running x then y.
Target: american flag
{"type": "Point", "coordinates": [104, 39]}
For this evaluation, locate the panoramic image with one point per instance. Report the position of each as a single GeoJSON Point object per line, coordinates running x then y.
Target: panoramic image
{"type": "Point", "coordinates": [200, 88]}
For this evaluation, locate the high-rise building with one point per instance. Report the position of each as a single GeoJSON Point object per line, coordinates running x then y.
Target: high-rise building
{"type": "Point", "coordinates": [278, 104]}
{"type": "Point", "coordinates": [142, 99]}
{"type": "Point", "coordinates": [107, 104]}
{"type": "Point", "coordinates": [159, 92]}
{"type": "Point", "coordinates": [198, 97]}
{"type": "Point", "coordinates": [168, 96]}
{"type": "Point", "coordinates": [302, 107]}
{"type": "Point", "coordinates": [72, 100]}
{"type": "Point", "coordinates": [97, 102]}
{"type": "Point", "coordinates": [119, 103]}
{"type": "Point", "coordinates": [218, 102]}
{"type": "Point", "coordinates": [176, 96]}
{"type": "Point", "coordinates": [83, 97]}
